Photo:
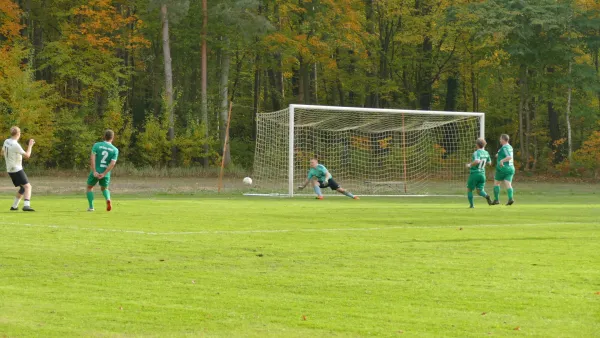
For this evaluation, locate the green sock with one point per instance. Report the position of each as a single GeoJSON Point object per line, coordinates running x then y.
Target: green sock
{"type": "Point", "coordinates": [106, 194]}
{"type": "Point", "coordinates": [470, 196]}
{"type": "Point", "coordinates": [90, 197]}
{"type": "Point", "coordinates": [482, 193]}
{"type": "Point", "coordinates": [496, 192]}
{"type": "Point", "coordinates": [510, 193]}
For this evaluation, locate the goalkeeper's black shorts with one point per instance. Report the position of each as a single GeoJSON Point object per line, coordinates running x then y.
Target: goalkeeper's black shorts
{"type": "Point", "coordinates": [333, 185]}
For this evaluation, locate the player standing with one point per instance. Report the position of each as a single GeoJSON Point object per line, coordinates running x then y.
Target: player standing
{"type": "Point", "coordinates": [103, 160]}
{"type": "Point", "coordinates": [505, 170]}
{"type": "Point", "coordinates": [477, 172]}
{"type": "Point", "coordinates": [13, 154]}
{"type": "Point", "coordinates": [321, 178]}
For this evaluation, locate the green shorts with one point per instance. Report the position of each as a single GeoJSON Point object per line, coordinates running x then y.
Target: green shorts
{"type": "Point", "coordinates": [476, 181]}
{"type": "Point", "coordinates": [92, 181]}
{"type": "Point", "coordinates": [506, 174]}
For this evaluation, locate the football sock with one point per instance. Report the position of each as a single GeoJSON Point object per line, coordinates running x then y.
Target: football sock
{"type": "Point", "coordinates": [16, 202]}
{"type": "Point", "coordinates": [90, 198]}
{"type": "Point", "coordinates": [496, 192]}
{"type": "Point", "coordinates": [106, 194]}
{"type": "Point", "coordinates": [510, 193]}
{"type": "Point", "coordinates": [470, 196]}
{"type": "Point", "coordinates": [317, 190]}
{"type": "Point", "coordinates": [482, 193]}
{"type": "Point", "coordinates": [27, 203]}
{"type": "Point", "coordinates": [349, 194]}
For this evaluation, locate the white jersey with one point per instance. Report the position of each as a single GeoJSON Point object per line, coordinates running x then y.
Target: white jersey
{"type": "Point", "coordinates": [13, 154]}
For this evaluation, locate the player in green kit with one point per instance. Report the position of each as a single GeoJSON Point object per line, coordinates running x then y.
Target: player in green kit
{"type": "Point", "coordinates": [321, 178]}
{"type": "Point", "coordinates": [103, 160]}
{"type": "Point", "coordinates": [505, 170]}
{"type": "Point", "coordinates": [477, 172]}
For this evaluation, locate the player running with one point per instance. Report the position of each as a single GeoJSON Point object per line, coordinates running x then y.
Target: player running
{"type": "Point", "coordinates": [321, 178]}
{"type": "Point", "coordinates": [505, 170]}
{"type": "Point", "coordinates": [13, 154]}
{"type": "Point", "coordinates": [103, 160]}
{"type": "Point", "coordinates": [477, 172]}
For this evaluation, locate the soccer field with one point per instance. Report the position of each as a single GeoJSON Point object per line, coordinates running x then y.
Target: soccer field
{"type": "Point", "coordinates": [170, 265]}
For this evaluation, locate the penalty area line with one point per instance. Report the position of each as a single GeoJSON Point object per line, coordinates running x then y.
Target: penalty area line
{"type": "Point", "coordinates": [276, 231]}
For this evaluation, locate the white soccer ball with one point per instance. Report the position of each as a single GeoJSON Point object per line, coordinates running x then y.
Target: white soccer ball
{"type": "Point", "coordinates": [247, 180]}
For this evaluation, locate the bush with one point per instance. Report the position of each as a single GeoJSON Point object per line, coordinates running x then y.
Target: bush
{"type": "Point", "coordinates": [587, 158]}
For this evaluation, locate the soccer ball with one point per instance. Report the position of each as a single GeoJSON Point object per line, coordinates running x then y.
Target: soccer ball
{"type": "Point", "coordinates": [247, 180]}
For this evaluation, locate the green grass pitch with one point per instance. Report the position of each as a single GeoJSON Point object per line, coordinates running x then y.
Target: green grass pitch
{"type": "Point", "coordinates": [171, 266]}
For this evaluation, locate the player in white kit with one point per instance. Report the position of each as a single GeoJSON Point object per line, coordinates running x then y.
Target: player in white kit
{"type": "Point", "coordinates": [13, 154]}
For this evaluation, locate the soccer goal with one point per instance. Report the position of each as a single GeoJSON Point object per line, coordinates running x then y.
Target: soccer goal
{"type": "Point", "coordinates": [379, 152]}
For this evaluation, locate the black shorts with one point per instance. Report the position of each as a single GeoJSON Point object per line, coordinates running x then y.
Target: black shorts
{"type": "Point", "coordinates": [330, 184]}
{"type": "Point", "coordinates": [19, 178]}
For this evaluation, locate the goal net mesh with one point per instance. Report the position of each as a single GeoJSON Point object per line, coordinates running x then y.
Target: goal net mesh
{"type": "Point", "coordinates": [367, 152]}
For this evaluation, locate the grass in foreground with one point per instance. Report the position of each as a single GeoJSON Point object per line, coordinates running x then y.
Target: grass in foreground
{"type": "Point", "coordinates": [190, 266]}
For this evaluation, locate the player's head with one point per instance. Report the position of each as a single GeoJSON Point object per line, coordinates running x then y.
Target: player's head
{"type": "Point", "coordinates": [314, 162]}
{"type": "Point", "coordinates": [504, 138]}
{"type": "Point", "coordinates": [15, 132]}
{"type": "Point", "coordinates": [480, 143]}
{"type": "Point", "coordinates": [109, 135]}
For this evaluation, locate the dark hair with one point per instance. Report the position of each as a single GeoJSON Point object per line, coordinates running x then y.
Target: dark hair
{"type": "Point", "coordinates": [315, 157]}
{"type": "Point", "coordinates": [109, 135]}
{"type": "Point", "coordinates": [505, 137]}
{"type": "Point", "coordinates": [481, 143]}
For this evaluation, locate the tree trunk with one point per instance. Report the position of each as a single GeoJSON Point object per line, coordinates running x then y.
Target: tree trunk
{"type": "Point", "coordinates": [452, 86]}
{"type": "Point", "coordinates": [568, 113]}
{"type": "Point", "coordinates": [340, 90]}
{"type": "Point", "coordinates": [475, 96]}
{"type": "Point", "coordinates": [276, 90]}
{"type": "Point", "coordinates": [316, 80]}
{"type": "Point", "coordinates": [523, 85]}
{"type": "Point", "coordinates": [597, 65]}
{"type": "Point", "coordinates": [255, 105]}
{"type": "Point", "coordinates": [304, 83]}
{"type": "Point", "coordinates": [526, 157]}
{"type": "Point", "coordinates": [553, 125]}
{"type": "Point", "coordinates": [425, 72]}
{"type": "Point", "coordinates": [225, 62]}
{"type": "Point", "coordinates": [425, 85]}
{"type": "Point", "coordinates": [168, 78]}
{"type": "Point", "coordinates": [204, 81]}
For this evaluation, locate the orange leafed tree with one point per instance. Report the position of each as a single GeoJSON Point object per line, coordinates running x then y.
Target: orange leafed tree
{"type": "Point", "coordinates": [10, 13]}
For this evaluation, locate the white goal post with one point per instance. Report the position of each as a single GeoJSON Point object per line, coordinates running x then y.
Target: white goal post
{"type": "Point", "coordinates": [379, 152]}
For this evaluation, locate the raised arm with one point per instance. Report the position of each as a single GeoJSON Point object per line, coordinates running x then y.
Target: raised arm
{"type": "Point", "coordinates": [27, 154]}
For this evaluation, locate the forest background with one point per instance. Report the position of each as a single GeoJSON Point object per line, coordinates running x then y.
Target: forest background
{"type": "Point", "coordinates": [161, 73]}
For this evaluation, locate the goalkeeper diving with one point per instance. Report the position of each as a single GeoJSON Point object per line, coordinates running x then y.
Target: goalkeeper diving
{"type": "Point", "coordinates": [477, 178]}
{"type": "Point", "coordinates": [321, 178]}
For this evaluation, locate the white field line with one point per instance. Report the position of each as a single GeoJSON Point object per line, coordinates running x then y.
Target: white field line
{"type": "Point", "coordinates": [276, 231]}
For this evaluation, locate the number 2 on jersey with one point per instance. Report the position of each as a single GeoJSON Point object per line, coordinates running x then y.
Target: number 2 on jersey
{"type": "Point", "coordinates": [103, 160]}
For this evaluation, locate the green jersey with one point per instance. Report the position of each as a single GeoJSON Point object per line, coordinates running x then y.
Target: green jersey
{"type": "Point", "coordinates": [105, 153]}
{"type": "Point", "coordinates": [320, 172]}
{"type": "Point", "coordinates": [484, 158]}
{"type": "Point", "coordinates": [504, 152]}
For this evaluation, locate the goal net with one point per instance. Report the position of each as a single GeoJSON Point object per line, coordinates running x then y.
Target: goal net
{"type": "Point", "coordinates": [367, 151]}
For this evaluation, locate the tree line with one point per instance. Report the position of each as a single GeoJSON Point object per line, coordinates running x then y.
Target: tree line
{"type": "Point", "coordinates": [161, 73]}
